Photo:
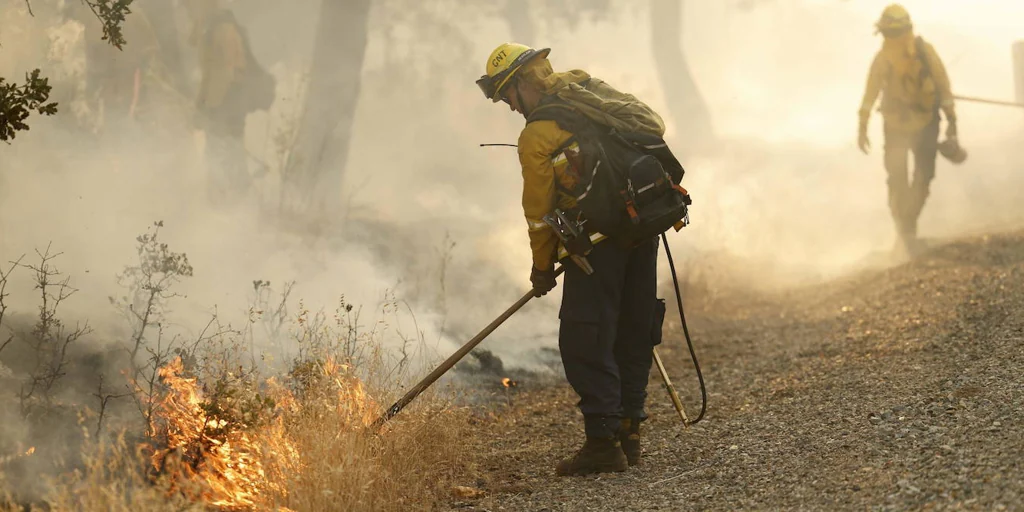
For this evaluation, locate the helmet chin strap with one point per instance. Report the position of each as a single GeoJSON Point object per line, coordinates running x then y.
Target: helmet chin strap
{"type": "Point", "coordinates": [522, 104]}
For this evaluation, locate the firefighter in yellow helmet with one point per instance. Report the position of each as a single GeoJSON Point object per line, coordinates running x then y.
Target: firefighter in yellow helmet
{"type": "Point", "coordinates": [610, 318]}
{"type": "Point", "coordinates": [914, 85]}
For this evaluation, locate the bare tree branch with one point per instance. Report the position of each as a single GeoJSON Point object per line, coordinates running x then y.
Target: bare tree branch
{"type": "Point", "coordinates": [49, 338]}
{"type": "Point", "coordinates": [104, 399]}
{"type": "Point", "coordinates": [3, 294]}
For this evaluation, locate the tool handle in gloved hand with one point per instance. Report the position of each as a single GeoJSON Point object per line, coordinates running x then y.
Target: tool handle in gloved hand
{"type": "Point", "coordinates": [443, 368]}
{"type": "Point", "coordinates": [543, 281]}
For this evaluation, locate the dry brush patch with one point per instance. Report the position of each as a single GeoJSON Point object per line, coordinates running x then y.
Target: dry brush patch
{"type": "Point", "coordinates": [204, 423]}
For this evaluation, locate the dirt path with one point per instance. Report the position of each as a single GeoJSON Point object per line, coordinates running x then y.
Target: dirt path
{"type": "Point", "coordinates": [893, 390]}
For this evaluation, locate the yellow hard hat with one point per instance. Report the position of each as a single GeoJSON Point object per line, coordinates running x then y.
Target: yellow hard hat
{"type": "Point", "coordinates": [503, 63]}
{"type": "Point", "coordinates": [894, 18]}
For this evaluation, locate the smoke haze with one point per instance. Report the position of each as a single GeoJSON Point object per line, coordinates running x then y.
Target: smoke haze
{"type": "Point", "coordinates": [783, 193]}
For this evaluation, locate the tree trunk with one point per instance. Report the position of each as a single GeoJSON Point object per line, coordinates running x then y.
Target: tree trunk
{"type": "Point", "coordinates": [685, 103]}
{"type": "Point", "coordinates": [313, 173]}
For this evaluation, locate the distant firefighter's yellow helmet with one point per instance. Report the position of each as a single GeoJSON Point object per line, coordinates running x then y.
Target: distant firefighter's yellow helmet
{"type": "Point", "coordinates": [895, 18]}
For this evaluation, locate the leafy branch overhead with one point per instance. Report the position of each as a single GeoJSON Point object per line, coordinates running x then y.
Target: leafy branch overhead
{"type": "Point", "coordinates": [17, 102]}
{"type": "Point", "coordinates": [111, 14]}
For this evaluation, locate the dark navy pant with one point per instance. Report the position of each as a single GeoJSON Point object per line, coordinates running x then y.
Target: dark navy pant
{"type": "Point", "coordinates": [610, 322]}
{"type": "Point", "coordinates": [907, 195]}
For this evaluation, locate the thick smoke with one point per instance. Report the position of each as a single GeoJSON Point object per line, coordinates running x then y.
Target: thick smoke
{"type": "Point", "coordinates": [783, 194]}
{"type": "Point", "coordinates": [431, 242]}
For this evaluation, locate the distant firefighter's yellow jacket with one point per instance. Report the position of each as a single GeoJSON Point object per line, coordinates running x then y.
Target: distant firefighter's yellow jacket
{"type": "Point", "coordinates": [913, 87]}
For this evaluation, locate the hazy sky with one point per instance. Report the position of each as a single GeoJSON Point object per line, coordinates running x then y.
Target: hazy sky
{"type": "Point", "coordinates": [786, 190]}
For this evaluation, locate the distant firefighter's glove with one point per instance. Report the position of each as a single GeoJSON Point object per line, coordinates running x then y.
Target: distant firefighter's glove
{"type": "Point", "coordinates": [862, 138]}
{"type": "Point", "coordinates": [543, 281]}
{"type": "Point", "coordinates": [951, 129]}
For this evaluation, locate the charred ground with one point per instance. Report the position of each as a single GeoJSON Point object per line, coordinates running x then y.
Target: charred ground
{"type": "Point", "coordinates": [894, 389]}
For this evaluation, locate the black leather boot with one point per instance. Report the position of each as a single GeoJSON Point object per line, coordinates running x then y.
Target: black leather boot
{"type": "Point", "coordinates": [629, 437]}
{"type": "Point", "coordinates": [598, 455]}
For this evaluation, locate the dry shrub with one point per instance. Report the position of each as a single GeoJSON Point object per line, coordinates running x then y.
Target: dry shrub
{"type": "Point", "coordinates": [218, 430]}
{"type": "Point", "coordinates": [113, 478]}
{"type": "Point", "coordinates": [341, 382]}
{"type": "Point", "coordinates": [317, 455]}
{"type": "Point", "coordinates": [411, 464]}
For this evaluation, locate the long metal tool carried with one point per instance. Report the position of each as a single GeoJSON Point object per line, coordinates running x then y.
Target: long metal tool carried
{"type": "Point", "coordinates": [988, 101]}
{"type": "Point", "coordinates": [422, 385]}
{"type": "Point", "coordinates": [672, 393]}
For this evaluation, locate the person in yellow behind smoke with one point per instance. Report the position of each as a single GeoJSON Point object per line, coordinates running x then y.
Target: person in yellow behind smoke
{"type": "Point", "coordinates": [914, 86]}
{"type": "Point", "coordinates": [232, 85]}
{"type": "Point", "coordinates": [610, 319]}
{"type": "Point", "coordinates": [220, 111]}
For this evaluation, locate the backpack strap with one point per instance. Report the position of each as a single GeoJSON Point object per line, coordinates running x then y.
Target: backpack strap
{"type": "Point", "coordinates": [926, 70]}
{"type": "Point", "coordinates": [568, 118]}
{"type": "Point", "coordinates": [552, 109]}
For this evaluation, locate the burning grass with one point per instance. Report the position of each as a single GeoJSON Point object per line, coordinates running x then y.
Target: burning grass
{"type": "Point", "coordinates": [206, 458]}
{"type": "Point", "coordinates": [214, 429]}
{"type": "Point", "coordinates": [307, 450]}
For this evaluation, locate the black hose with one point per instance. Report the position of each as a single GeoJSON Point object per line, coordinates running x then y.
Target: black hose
{"type": "Point", "coordinates": [686, 333]}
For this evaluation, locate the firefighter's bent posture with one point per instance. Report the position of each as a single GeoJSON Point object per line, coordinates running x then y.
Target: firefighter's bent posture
{"type": "Point", "coordinates": [914, 87]}
{"type": "Point", "coordinates": [609, 319]}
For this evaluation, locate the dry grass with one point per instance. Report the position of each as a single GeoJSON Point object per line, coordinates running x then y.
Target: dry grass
{"type": "Point", "coordinates": [315, 456]}
{"type": "Point", "coordinates": [112, 479]}
{"type": "Point", "coordinates": [214, 429]}
{"type": "Point", "coordinates": [410, 466]}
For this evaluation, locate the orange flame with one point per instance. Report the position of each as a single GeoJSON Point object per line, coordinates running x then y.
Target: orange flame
{"type": "Point", "coordinates": [4, 459]}
{"type": "Point", "coordinates": [230, 468]}
{"type": "Point", "coordinates": [224, 469]}
{"type": "Point", "coordinates": [506, 382]}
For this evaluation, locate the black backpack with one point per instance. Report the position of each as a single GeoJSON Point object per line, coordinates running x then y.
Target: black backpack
{"type": "Point", "coordinates": [627, 183]}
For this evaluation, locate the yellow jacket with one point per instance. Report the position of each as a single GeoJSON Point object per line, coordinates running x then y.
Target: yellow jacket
{"type": "Point", "coordinates": [543, 164]}
{"type": "Point", "coordinates": [911, 96]}
{"type": "Point", "coordinates": [545, 158]}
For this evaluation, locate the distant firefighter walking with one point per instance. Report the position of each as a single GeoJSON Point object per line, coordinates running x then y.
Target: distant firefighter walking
{"type": "Point", "coordinates": [912, 80]}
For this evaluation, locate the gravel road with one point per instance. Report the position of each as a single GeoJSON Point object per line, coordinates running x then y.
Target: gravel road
{"type": "Point", "coordinates": [897, 389]}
